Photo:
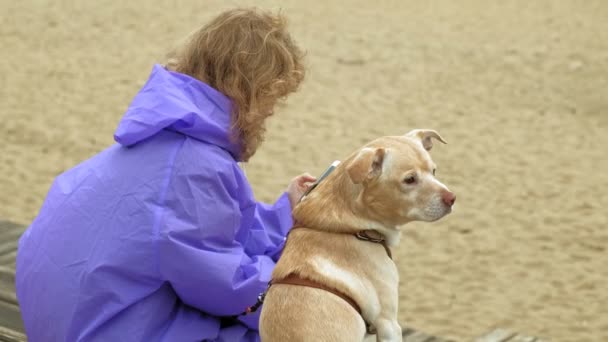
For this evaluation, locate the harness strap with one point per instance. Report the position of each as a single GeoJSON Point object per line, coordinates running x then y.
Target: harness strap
{"type": "Point", "coordinates": [294, 279]}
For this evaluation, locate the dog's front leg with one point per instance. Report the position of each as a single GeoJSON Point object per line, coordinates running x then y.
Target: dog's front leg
{"type": "Point", "coordinates": [388, 330]}
{"type": "Point", "coordinates": [387, 290]}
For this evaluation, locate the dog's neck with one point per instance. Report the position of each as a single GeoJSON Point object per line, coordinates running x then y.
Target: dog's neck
{"type": "Point", "coordinates": [331, 207]}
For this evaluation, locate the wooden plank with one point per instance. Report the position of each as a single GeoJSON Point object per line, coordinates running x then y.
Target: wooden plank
{"type": "Point", "coordinates": [522, 338]}
{"type": "Point", "coordinates": [8, 335]}
{"type": "Point", "coordinates": [8, 296]}
{"type": "Point", "coordinates": [7, 225]}
{"type": "Point", "coordinates": [7, 286]}
{"type": "Point", "coordinates": [497, 335]}
{"type": "Point", "coordinates": [9, 238]}
{"type": "Point", "coordinates": [405, 331]}
{"type": "Point", "coordinates": [11, 325]}
{"type": "Point", "coordinates": [7, 275]}
{"type": "Point", "coordinates": [10, 231]}
{"type": "Point", "coordinates": [9, 258]}
{"type": "Point", "coordinates": [411, 335]}
{"type": "Point", "coordinates": [439, 339]}
{"type": "Point", "coordinates": [9, 242]}
{"type": "Point", "coordinates": [505, 335]}
{"type": "Point", "coordinates": [417, 336]}
{"type": "Point", "coordinates": [10, 317]}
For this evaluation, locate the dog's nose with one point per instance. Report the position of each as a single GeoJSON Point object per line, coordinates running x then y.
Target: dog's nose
{"type": "Point", "coordinates": [448, 198]}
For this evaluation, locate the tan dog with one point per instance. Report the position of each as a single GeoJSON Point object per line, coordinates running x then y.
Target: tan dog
{"type": "Point", "coordinates": [341, 281]}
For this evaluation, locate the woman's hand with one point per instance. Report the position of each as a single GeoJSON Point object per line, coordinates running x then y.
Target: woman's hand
{"type": "Point", "coordinates": [298, 187]}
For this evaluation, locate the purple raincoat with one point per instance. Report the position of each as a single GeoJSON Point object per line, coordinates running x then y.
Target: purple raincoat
{"type": "Point", "coordinates": [156, 237]}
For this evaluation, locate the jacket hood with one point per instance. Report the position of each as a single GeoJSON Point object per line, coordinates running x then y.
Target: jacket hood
{"type": "Point", "coordinates": [178, 102]}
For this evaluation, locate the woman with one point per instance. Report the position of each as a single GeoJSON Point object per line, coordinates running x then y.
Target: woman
{"type": "Point", "coordinates": [158, 237]}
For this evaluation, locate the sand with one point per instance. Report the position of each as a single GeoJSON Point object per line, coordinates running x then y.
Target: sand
{"type": "Point", "coordinates": [519, 90]}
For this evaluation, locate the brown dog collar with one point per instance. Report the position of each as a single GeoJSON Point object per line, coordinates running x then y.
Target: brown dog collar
{"type": "Point", "coordinates": [362, 235]}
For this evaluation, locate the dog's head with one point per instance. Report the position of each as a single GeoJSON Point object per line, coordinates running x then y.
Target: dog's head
{"type": "Point", "coordinates": [395, 179]}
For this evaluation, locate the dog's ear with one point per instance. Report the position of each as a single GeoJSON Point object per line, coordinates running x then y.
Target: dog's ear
{"type": "Point", "coordinates": [426, 137]}
{"type": "Point", "coordinates": [366, 165]}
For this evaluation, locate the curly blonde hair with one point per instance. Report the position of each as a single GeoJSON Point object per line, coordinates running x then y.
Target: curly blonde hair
{"type": "Point", "coordinates": [248, 55]}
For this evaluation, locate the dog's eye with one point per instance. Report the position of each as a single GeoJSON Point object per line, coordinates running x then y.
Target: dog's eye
{"type": "Point", "coordinates": [434, 171]}
{"type": "Point", "coordinates": [410, 179]}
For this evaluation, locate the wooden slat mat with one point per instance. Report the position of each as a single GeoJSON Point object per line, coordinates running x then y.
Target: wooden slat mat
{"type": "Point", "coordinates": [11, 326]}
{"type": "Point", "coordinates": [9, 236]}
{"type": "Point", "coordinates": [506, 335]}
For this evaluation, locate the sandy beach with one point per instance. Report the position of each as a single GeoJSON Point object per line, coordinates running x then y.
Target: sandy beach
{"type": "Point", "coordinates": [518, 89]}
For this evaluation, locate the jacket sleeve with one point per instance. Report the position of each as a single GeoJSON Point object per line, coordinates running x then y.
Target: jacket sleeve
{"type": "Point", "coordinates": [217, 246]}
{"type": "Point", "coordinates": [269, 229]}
